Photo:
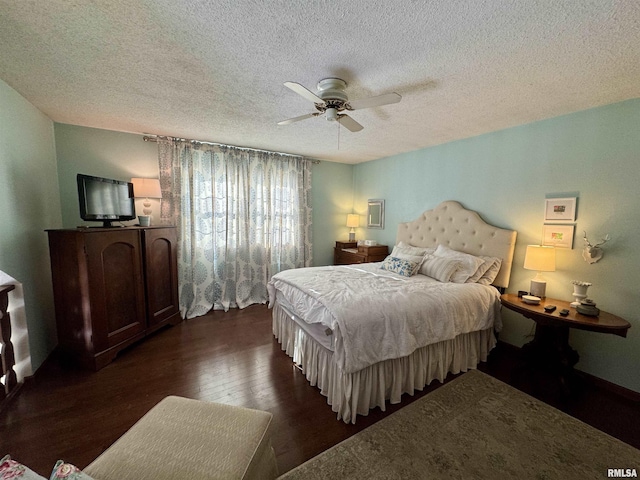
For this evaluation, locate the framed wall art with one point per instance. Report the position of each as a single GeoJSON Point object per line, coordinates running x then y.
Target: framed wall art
{"type": "Point", "coordinates": [559, 236]}
{"type": "Point", "coordinates": [375, 213]}
{"type": "Point", "coordinates": [560, 209]}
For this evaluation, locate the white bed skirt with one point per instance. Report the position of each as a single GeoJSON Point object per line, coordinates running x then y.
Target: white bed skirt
{"type": "Point", "coordinates": [356, 393]}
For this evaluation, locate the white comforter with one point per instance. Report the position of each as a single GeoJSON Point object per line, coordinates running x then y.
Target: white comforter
{"type": "Point", "coordinates": [378, 315]}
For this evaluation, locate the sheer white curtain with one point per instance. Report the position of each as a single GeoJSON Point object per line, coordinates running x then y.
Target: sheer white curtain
{"type": "Point", "coordinates": [242, 216]}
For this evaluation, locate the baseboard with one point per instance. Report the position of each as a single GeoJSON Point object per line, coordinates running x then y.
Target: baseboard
{"type": "Point", "coordinates": [45, 367]}
{"type": "Point", "coordinates": [610, 387]}
{"type": "Point", "coordinates": [27, 380]}
{"type": "Point", "coordinates": [48, 366]}
{"type": "Point", "coordinates": [14, 393]}
{"type": "Point", "coordinates": [589, 379]}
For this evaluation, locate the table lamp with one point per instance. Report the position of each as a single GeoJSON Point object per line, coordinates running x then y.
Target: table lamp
{"type": "Point", "coordinates": [146, 188]}
{"type": "Point", "coordinates": [353, 221]}
{"type": "Point", "coordinates": [542, 259]}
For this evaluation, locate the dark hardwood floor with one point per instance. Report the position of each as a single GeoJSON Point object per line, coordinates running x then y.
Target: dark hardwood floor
{"type": "Point", "coordinates": [71, 414]}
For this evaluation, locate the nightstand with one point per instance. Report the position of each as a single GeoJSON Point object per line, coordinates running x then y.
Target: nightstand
{"type": "Point", "coordinates": [346, 253]}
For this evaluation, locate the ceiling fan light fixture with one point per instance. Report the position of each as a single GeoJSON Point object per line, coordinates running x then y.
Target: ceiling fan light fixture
{"type": "Point", "coordinates": [331, 114]}
{"type": "Point", "coordinates": [332, 89]}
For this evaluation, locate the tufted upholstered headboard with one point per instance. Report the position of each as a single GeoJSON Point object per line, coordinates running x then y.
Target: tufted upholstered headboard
{"type": "Point", "coordinates": [452, 225]}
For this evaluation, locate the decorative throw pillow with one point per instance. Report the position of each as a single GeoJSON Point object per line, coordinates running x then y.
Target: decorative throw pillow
{"type": "Point", "coordinates": [492, 272]}
{"type": "Point", "coordinates": [440, 268]}
{"type": "Point", "coordinates": [468, 263]}
{"type": "Point", "coordinates": [10, 469]}
{"type": "Point", "coordinates": [66, 471]}
{"type": "Point", "coordinates": [403, 267]}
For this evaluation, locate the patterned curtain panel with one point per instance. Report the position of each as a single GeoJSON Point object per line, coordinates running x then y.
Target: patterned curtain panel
{"type": "Point", "coordinates": [242, 216]}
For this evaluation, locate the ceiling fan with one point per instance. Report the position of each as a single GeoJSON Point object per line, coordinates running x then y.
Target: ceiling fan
{"type": "Point", "coordinates": [332, 99]}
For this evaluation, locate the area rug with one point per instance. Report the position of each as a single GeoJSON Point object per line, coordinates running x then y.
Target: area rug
{"type": "Point", "coordinates": [474, 427]}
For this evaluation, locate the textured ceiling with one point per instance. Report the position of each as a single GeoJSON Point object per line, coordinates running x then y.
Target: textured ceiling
{"type": "Point", "coordinates": [214, 70]}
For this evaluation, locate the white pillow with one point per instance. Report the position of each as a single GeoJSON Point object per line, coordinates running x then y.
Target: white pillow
{"type": "Point", "coordinates": [440, 268]}
{"type": "Point", "coordinates": [482, 269]}
{"type": "Point", "coordinates": [492, 272]}
{"type": "Point", "coordinates": [469, 264]}
{"type": "Point", "coordinates": [405, 255]}
{"type": "Point", "coordinates": [413, 250]}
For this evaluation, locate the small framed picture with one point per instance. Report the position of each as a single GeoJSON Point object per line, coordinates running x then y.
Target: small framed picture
{"type": "Point", "coordinates": [559, 236]}
{"type": "Point", "coordinates": [560, 209]}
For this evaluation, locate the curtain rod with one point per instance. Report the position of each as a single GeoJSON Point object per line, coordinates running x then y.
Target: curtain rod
{"type": "Point", "coordinates": [154, 138]}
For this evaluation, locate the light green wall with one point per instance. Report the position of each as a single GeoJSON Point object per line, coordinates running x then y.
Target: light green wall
{"type": "Point", "coordinates": [505, 176]}
{"type": "Point", "coordinates": [29, 204]}
{"type": "Point", "coordinates": [101, 153]}
{"type": "Point", "coordinates": [105, 153]}
{"type": "Point", "coordinates": [332, 191]}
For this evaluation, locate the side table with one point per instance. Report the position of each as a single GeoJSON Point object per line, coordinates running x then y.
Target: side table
{"type": "Point", "coordinates": [550, 347]}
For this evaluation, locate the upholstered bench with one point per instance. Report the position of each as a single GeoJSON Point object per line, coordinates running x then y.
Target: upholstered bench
{"type": "Point", "coordinates": [184, 438]}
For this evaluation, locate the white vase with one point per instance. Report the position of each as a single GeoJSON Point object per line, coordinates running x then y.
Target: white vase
{"type": "Point", "coordinates": [579, 292]}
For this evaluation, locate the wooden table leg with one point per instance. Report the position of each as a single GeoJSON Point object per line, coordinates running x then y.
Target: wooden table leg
{"type": "Point", "coordinates": [550, 352]}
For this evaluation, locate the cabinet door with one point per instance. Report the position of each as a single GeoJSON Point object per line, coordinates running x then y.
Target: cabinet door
{"type": "Point", "coordinates": [161, 274]}
{"type": "Point", "coordinates": [114, 262]}
{"type": "Point", "coordinates": [71, 291]}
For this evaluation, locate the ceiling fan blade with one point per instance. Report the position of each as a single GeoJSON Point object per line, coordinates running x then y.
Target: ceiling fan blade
{"type": "Point", "coordinates": [349, 123]}
{"type": "Point", "coordinates": [297, 119]}
{"type": "Point", "coordinates": [303, 92]}
{"type": "Point", "coordinates": [378, 101]}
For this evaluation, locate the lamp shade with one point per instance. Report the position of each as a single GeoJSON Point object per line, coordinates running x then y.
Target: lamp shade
{"type": "Point", "coordinates": [353, 220]}
{"type": "Point", "coordinates": [540, 258]}
{"type": "Point", "coordinates": [146, 188]}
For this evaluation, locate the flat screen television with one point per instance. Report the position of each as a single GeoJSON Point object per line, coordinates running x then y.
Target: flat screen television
{"type": "Point", "coordinates": [105, 200]}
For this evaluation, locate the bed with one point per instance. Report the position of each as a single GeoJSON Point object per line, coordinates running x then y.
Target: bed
{"type": "Point", "coordinates": [365, 334]}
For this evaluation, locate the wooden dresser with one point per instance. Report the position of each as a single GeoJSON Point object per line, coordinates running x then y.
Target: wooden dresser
{"type": "Point", "coordinates": [349, 252]}
{"type": "Point", "coordinates": [112, 287]}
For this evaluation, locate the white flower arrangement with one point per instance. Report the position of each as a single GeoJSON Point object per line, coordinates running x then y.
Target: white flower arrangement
{"type": "Point", "coordinates": [581, 283]}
